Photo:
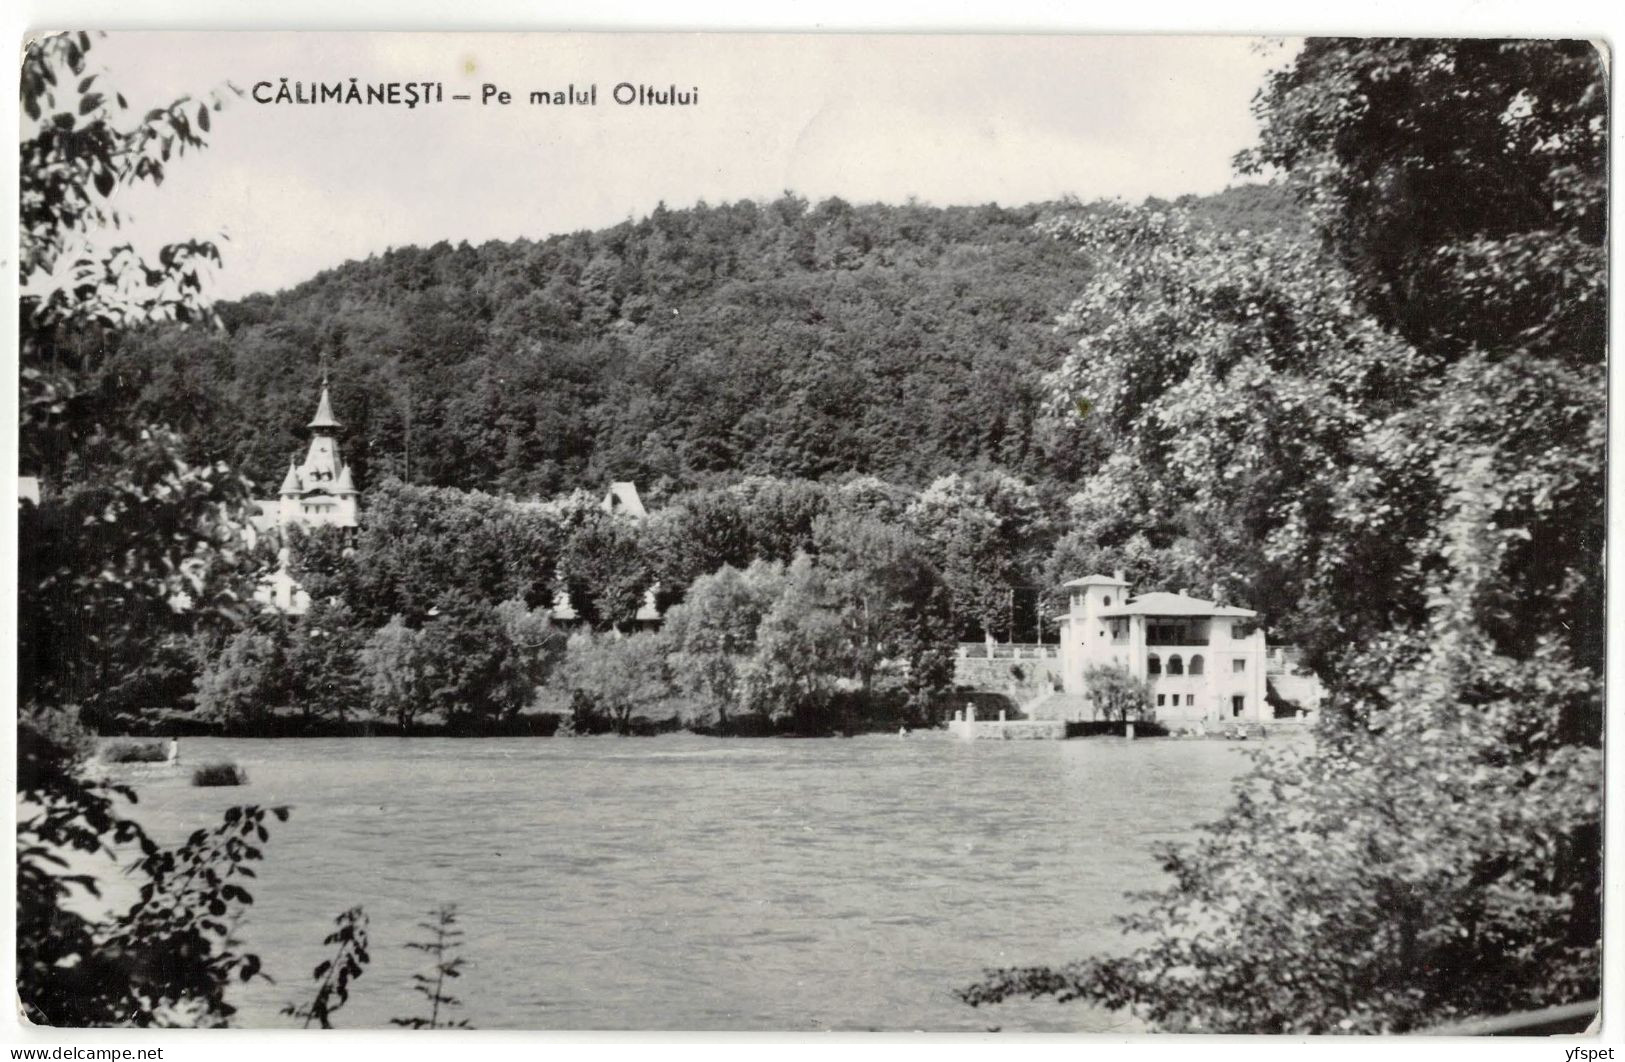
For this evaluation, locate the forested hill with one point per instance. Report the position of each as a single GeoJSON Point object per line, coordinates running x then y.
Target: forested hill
{"type": "Point", "coordinates": [783, 338]}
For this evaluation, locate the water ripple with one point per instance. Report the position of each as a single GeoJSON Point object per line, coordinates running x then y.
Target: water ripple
{"type": "Point", "coordinates": [692, 883]}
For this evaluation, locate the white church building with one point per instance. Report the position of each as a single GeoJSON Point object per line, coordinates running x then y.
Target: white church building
{"type": "Point", "coordinates": [1204, 662]}
{"type": "Point", "coordinates": [318, 492]}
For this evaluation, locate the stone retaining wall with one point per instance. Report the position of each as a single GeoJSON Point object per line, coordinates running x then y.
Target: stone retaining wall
{"type": "Point", "coordinates": [1023, 681]}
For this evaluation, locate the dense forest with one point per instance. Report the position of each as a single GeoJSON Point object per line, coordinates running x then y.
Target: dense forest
{"type": "Point", "coordinates": [788, 339]}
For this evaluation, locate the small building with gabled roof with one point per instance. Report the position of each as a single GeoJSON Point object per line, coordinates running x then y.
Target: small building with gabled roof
{"type": "Point", "coordinates": [622, 498]}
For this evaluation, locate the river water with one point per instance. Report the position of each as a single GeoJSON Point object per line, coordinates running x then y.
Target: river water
{"type": "Point", "coordinates": [685, 882]}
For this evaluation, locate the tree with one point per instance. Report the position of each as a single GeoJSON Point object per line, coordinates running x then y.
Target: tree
{"type": "Point", "coordinates": [128, 545]}
{"type": "Point", "coordinates": [242, 687]}
{"type": "Point", "coordinates": [534, 648]}
{"type": "Point", "coordinates": [126, 530]}
{"type": "Point", "coordinates": [322, 662]}
{"type": "Point", "coordinates": [712, 634]}
{"type": "Point", "coordinates": [1116, 694]}
{"type": "Point", "coordinates": [984, 527]}
{"type": "Point", "coordinates": [168, 958]}
{"type": "Point", "coordinates": [1436, 855]}
{"type": "Point", "coordinates": [605, 571]}
{"type": "Point", "coordinates": [892, 604]}
{"type": "Point", "coordinates": [420, 543]}
{"type": "Point", "coordinates": [467, 648]}
{"type": "Point", "coordinates": [619, 677]}
{"type": "Point", "coordinates": [396, 671]}
{"type": "Point", "coordinates": [800, 651]}
{"type": "Point", "coordinates": [1464, 183]}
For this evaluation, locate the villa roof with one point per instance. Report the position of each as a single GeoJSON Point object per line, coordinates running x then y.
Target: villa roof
{"type": "Point", "coordinates": [324, 417]}
{"type": "Point", "coordinates": [1160, 603]}
{"type": "Point", "coordinates": [1097, 580]}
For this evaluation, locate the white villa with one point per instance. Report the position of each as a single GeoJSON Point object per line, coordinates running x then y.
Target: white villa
{"type": "Point", "coordinates": [1205, 662]}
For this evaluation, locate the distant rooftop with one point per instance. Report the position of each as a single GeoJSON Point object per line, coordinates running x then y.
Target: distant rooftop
{"type": "Point", "coordinates": [623, 498]}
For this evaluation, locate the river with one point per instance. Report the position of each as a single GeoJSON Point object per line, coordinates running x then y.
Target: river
{"type": "Point", "coordinates": [685, 882]}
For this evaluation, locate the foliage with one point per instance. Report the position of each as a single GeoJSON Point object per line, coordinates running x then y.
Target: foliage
{"type": "Point", "coordinates": [130, 544]}
{"type": "Point", "coordinates": [164, 961]}
{"type": "Point", "coordinates": [1464, 183]}
{"type": "Point", "coordinates": [614, 676]}
{"type": "Point", "coordinates": [467, 650]}
{"type": "Point", "coordinates": [893, 604]}
{"type": "Point", "coordinates": [219, 774]}
{"type": "Point", "coordinates": [418, 544]}
{"type": "Point", "coordinates": [800, 651]}
{"type": "Point", "coordinates": [715, 350]}
{"type": "Point", "coordinates": [397, 672]}
{"type": "Point", "coordinates": [322, 659]}
{"type": "Point", "coordinates": [1398, 451]}
{"type": "Point", "coordinates": [130, 541]}
{"type": "Point", "coordinates": [442, 948]}
{"type": "Point", "coordinates": [711, 635]}
{"type": "Point", "coordinates": [77, 149]}
{"type": "Point", "coordinates": [135, 752]}
{"type": "Point", "coordinates": [248, 679]}
{"type": "Point", "coordinates": [1116, 694]}
{"type": "Point", "coordinates": [533, 649]}
{"type": "Point", "coordinates": [984, 528]}
{"type": "Point", "coordinates": [1385, 882]}
{"type": "Point", "coordinates": [334, 976]}
{"type": "Point", "coordinates": [604, 570]}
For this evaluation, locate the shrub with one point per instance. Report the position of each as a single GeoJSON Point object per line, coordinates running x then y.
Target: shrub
{"type": "Point", "coordinates": [210, 774]}
{"type": "Point", "coordinates": [136, 752]}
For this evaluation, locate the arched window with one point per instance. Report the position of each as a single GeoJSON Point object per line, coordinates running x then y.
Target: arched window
{"type": "Point", "coordinates": [1153, 664]}
{"type": "Point", "coordinates": [1196, 664]}
{"type": "Point", "coordinates": [1176, 666]}
{"type": "Point", "coordinates": [1108, 600]}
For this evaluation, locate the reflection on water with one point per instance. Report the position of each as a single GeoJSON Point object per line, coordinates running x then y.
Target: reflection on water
{"type": "Point", "coordinates": [693, 883]}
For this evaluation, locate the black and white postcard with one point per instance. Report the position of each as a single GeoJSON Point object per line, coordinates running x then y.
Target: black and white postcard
{"type": "Point", "coordinates": [788, 533]}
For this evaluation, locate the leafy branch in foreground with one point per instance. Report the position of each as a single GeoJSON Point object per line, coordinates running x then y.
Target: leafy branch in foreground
{"type": "Point", "coordinates": [168, 959]}
{"type": "Point", "coordinates": [333, 976]}
{"type": "Point", "coordinates": [442, 949]}
{"type": "Point", "coordinates": [1436, 855]}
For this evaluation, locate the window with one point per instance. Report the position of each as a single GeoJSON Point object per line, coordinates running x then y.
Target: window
{"type": "Point", "coordinates": [1108, 600]}
{"type": "Point", "coordinates": [1161, 699]}
{"type": "Point", "coordinates": [1196, 664]}
{"type": "Point", "coordinates": [1176, 666]}
{"type": "Point", "coordinates": [1238, 665]}
{"type": "Point", "coordinates": [1153, 664]}
{"type": "Point", "coordinates": [1163, 633]}
{"type": "Point", "coordinates": [1190, 699]}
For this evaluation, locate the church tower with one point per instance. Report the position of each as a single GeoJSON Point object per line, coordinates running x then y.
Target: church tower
{"type": "Point", "coordinates": [321, 492]}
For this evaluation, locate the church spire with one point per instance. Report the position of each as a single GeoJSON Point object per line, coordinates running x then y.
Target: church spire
{"type": "Point", "coordinates": [324, 417]}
